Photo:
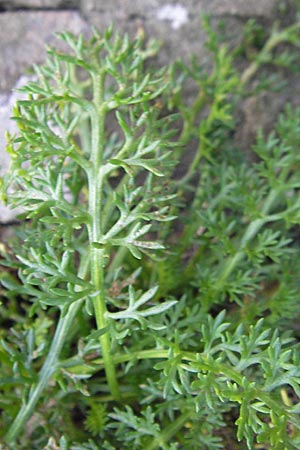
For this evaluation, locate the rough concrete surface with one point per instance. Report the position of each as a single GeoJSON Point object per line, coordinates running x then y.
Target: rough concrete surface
{"type": "Point", "coordinates": [27, 26]}
{"type": "Point", "coordinates": [243, 8]}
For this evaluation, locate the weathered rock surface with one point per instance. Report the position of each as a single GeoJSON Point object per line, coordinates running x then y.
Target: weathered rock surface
{"type": "Point", "coordinates": [242, 8]}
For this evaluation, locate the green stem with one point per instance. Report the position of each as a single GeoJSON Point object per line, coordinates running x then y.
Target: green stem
{"type": "Point", "coordinates": [64, 324]}
{"type": "Point", "coordinates": [190, 118]}
{"type": "Point", "coordinates": [95, 229]}
{"type": "Point", "coordinates": [202, 363]}
{"type": "Point", "coordinates": [274, 40]}
{"type": "Point", "coordinates": [100, 310]}
{"type": "Point", "coordinates": [125, 357]}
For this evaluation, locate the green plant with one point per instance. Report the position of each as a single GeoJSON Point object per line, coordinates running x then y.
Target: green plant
{"type": "Point", "coordinates": [125, 270]}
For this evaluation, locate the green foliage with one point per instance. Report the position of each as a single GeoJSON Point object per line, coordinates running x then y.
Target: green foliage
{"type": "Point", "coordinates": [149, 309]}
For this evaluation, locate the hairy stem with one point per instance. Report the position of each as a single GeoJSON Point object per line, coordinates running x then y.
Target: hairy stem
{"type": "Point", "coordinates": [95, 229]}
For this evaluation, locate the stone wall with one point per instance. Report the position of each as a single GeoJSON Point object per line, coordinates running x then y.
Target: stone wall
{"type": "Point", "coordinates": [27, 26]}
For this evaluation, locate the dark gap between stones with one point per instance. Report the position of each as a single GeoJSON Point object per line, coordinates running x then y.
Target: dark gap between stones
{"type": "Point", "coordinates": [66, 6]}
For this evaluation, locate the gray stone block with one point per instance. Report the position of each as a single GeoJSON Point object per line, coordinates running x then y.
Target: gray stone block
{"type": "Point", "coordinates": [24, 36]}
{"type": "Point", "coordinates": [38, 4]}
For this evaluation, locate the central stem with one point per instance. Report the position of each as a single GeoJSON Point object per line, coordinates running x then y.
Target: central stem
{"type": "Point", "coordinates": [96, 180]}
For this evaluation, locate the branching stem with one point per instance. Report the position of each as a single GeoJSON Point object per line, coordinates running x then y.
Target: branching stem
{"type": "Point", "coordinates": [202, 363]}
{"type": "Point", "coordinates": [95, 229]}
{"type": "Point", "coordinates": [265, 54]}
